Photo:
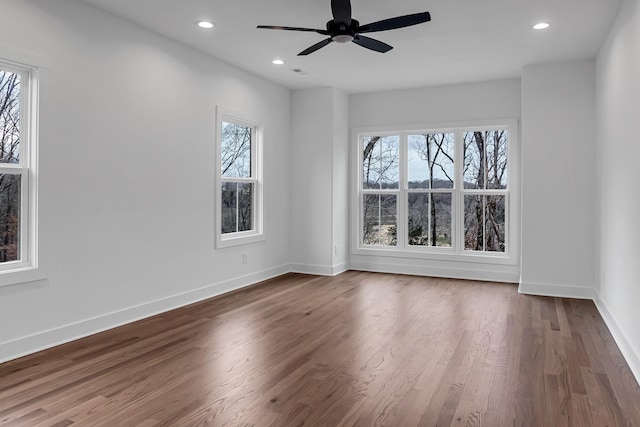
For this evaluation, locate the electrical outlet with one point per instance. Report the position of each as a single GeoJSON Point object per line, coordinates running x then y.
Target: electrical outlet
{"type": "Point", "coordinates": [335, 250]}
{"type": "Point", "coordinates": [245, 257]}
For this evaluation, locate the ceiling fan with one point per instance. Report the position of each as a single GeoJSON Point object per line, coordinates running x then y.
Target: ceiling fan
{"type": "Point", "coordinates": [343, 29]}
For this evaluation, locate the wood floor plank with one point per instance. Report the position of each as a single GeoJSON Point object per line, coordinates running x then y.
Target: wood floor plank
{"type": "Point", "coordinates": [359, 349]}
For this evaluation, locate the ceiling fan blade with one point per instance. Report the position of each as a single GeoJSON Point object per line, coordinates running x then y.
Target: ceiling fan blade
{"type": "Point", "coordinates": [372, 44]}
{"type": "Point", "coordinates": [397, 22]}
{"type": "Point", "coordinates": [276, 27]}
{"type": "Point", "coordinates": [341, 10]}
{"type": "Point", "coordinates": [315, 47]}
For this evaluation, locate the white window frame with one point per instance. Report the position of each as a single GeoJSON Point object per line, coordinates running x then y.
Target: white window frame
{"type": "Point", "coordinates": [456, 252]}
{"type": "Point", "coordinates": [257, 234]}
{"type": "Point", "coordinates": [25, 269]}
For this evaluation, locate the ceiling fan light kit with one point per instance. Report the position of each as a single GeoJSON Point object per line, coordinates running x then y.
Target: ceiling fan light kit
{"type": "Point", "coordinates": [207, 25]}
{"type": "Point", "coordinates": [343, 29]}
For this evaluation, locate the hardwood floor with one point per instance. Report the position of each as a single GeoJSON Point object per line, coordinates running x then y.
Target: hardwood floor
{"type": "Point", "coordinates": [359, 349]}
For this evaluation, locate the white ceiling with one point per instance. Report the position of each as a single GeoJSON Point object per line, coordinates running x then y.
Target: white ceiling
{"type": "Point", "coordinates": [467, 40]}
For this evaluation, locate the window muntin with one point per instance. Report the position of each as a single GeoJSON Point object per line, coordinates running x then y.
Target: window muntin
{"type": "Point", "coordinates": [449, 189]}
{"type": "Point", "coordinates": [239, 190]}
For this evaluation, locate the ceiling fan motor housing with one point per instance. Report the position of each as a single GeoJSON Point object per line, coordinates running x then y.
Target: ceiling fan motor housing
{"type": "Point", "coordinates": [341, 32]}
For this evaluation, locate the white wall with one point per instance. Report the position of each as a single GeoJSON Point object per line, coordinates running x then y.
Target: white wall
{"type": "Point", "coordinates": [618, 95]}
{"type": "Point", "coordinates": [127, 174]}
{"type": "Point", "coordinates": [439, 104]}
{"type": "Point", "coordinates": [464, 103]}
{"type": "Point", "coordinates": [311, 177]}
{"type": "Point", "coordinates": [558, 179]}
{"type": "Point", "coordinates": [319, 205]}
{"type": "Point", "coordinates": [340, 191]}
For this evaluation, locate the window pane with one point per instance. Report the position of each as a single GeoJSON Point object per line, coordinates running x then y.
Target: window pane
{"type": "Point", "coordinates": [380, 162]}
{"type": "Point", "coordinates": [9, 117]}
{"type": "Point", "coordinates": [495, 223]}
{"type": "Point", "coordinates": [484, 223]}
{"type": "Point", "coordinates": [379, 220]}
{"type": "Point", "coordinates": [497, 159]}
{"type": "Point", "coordinates": [237, 207]}
{"type": "Point", "coordinates": [245, 207]}
{"type": "Point", "coordinates": [430, 160]}
{"type": "Point", "coordinates": [429, 222]}
{"type": "Point", "coordinates": [474, 152]}
{"type": "Point", "coordinates": [473, 222]}
{"type": "Point", "coordinates": [9, 217]}
{"type": "Point", "coordinates": [236, 150]}
{"type": "Point", "coordinates": [229, 207]}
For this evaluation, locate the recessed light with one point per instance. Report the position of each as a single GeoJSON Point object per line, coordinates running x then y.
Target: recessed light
{"type": "Point", "coordinates": [277, 62]}
{"type": "Point", "coordinates": [207, 25]}
{"type": "Point", "coordinates": [541, 26]}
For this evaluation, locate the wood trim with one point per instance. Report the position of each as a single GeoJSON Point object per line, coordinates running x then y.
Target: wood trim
{"type": "Point", "coordinates": [560, 291]}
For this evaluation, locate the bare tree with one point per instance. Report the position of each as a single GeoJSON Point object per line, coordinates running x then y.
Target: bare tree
{"type": "Point", "coordinates": [236, 150]}
{"type": "Point", "coordinates": [485, 168]}
{"type": "Point", "coordinates": [496, 179]}
{"type": "Point", "coordinates": [380, 163]}
{"type": "Point", "coordinates": [237, 197]}
{"type": "Point", "coordinates": [9, 153]}
{"type": "Point", "coordinates": [436, 150]}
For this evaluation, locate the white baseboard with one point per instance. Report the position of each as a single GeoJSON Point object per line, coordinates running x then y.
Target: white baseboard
{"type": "Point", "coordinates": [561, 291]}
{"type": "Point", "coordinates": [630, 354]}
{"type": "Point", "coordinates": [340, 268]}
{"type": "Point", "coordinates": [319, 270]}
{"type": "Point", "coordinates": [450, 273]}
{"type": "Point", "coordinates": [31, 344]}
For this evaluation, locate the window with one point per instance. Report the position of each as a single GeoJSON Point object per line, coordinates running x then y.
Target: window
{"type": "Point", "coordinates": [240, 188]}
{"type": "Point", "coordinates": [430, 185]}
{"type": "Point", "coordinates": [485, 190]}
{"type": "Point", "coordinates": [437, 191]}
{"type": "Point", "coordinates": [380, 170]}
{"type": "Point", "coordinates": [18, 96]}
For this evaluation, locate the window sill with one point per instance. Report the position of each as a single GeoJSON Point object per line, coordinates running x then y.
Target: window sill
{"type": "Point", "coordinates": [21, 275]}
{"type": "Point", "coordinates": [441, 255]}
{"type": "Point", "coordinates": [238, 240]}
